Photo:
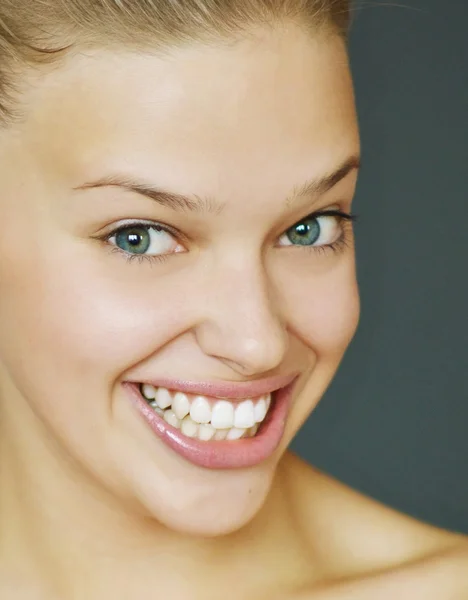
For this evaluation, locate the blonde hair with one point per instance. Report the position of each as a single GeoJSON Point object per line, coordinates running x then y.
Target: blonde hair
{"type": "Point", "coordinates": [41, 32]}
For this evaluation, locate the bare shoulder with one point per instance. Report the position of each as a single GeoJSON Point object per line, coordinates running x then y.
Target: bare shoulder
{"type": "Point", "coordinates": [440, 576]}
{"type": "Point", "coordinates": [368, 547]}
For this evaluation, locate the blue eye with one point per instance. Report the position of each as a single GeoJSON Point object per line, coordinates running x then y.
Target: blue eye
{"type": "Point", "coordinates": [135, 240]}
{"type": "Point", "coordinates": [141, 239]}
{"type": "Point", "coordinates": [316, 230]}
{"type": "Point", "coordinates": [305, 233]}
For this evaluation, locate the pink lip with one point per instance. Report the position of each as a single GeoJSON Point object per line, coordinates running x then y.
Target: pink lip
{"type": "Point", "coordinates": [243, 453]}
{"type": "Point", "coordinates": [232, 391]}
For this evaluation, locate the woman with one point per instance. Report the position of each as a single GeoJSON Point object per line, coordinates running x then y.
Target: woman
{"type": "Point", "coordinates": [178, 289]}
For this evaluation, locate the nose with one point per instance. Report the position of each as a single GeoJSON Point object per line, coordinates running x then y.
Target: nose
{"type": "Point", "coordinates": [242, 323]}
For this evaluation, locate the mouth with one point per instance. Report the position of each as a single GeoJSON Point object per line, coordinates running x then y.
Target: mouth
{"type": "Point", "coordinates": [215, 430]}
{"type": "Point", "coordinates": [206, 418]}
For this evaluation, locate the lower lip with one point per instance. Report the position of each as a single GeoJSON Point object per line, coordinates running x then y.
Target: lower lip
{"type": "Point", "coordinates": [235, 454]}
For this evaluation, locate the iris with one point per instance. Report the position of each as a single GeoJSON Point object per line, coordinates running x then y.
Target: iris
{"type": "Point", "coordinates": [305, 233]}
{"type": "Point", "coordinates": [135, 240]}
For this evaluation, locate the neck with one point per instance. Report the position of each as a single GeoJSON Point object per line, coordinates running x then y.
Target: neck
{"type": "Point", "coordinates": [54, 519]}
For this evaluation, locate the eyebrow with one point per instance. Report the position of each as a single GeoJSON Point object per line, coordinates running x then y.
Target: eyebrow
{"type": "Point", "coordinates": [194, 203]}
{"type": "Point", "coordinates": [317, 187]}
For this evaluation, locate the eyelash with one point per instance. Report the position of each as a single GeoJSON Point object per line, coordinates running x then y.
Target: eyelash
{"type": "Point", "coordinates": [340, 244]}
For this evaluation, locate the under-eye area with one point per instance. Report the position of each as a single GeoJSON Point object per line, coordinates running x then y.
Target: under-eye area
{"type": "Point", "coordinates": [208, 418]}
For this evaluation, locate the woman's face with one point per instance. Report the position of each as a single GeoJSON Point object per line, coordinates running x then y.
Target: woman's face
{"type": "Point", "coordinates": [239, 285]}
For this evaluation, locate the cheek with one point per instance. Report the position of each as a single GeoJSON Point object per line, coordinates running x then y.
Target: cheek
{"type": "Point", "coordinates": [71, 324]}
{"type": "Point", "coordinates": [69, 312]}
{"type": "Point", "coordinates": [326, 311]}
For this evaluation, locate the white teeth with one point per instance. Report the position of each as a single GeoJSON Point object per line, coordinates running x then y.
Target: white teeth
{"type": "Point", "coordinates": [197, 417]}
{"type": "Point", "coordinates": [181, 405]}
{"type": "Point", "coordinates": [163, 398]}
{"type": "Point", "coordinates": [148, 391]}
{"type": "Point", "coordinates": [170, 418]}
{"type": "Point", "coordinates": [188, 427]}
{"type": "Point", "coordinates": [244, 415]}
{"type": "Point", "coordinates": [157, 409]}
{"type": "Point", "coordinates": [260, 410]}
{"type": "Point", "coordinates": [223, 415]}
{"type": "Point", "coordinates": [200, 410]}
{"type": "Point", "coordinates": [220, 434]}
{"type": "Point", "coordinates": [235, 434]}
{"type": "Point", "coordinates": [206, 432]}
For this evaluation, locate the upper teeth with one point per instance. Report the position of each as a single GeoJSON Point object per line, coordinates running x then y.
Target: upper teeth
{"type": "Point", "coordinates": [221, 414]}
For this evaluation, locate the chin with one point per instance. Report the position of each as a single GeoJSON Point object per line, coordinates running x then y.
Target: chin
{"type": "Point", "coordinates": [199, 502]}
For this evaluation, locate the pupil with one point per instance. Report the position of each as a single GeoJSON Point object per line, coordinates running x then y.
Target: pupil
{"type": "Point", "coordinates": [134, 239]}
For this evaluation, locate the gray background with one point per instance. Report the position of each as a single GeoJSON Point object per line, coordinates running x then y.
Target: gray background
{"type": "Point", "coordinates": [394, 423]}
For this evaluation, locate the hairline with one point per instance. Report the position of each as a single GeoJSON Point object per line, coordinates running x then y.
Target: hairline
{"type": "Point", "coordinates": [42, 62]}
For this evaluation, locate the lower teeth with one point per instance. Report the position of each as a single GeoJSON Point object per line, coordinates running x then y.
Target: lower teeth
{"type": "Point", "coordinates": [204, 433]}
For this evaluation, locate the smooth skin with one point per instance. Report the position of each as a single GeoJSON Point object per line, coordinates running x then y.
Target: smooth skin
{"type": "Point", "coordinates": [92, 504]}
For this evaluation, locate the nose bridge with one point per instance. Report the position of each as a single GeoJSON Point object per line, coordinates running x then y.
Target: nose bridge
{"type": "Point", "coordinates": [242, 322]}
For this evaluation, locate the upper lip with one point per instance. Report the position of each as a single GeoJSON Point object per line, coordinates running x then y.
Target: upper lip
{"type": "Point", "coordinates": [225, 389]}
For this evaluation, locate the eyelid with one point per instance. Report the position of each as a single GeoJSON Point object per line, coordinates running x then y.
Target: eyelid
{"type": "Point", "coordinates": [327, 212]}
{"type": "Point", "coordinates": [115, 227]}
{"type": "Point", "coordinates": [331, 212]}
{"type": "Point", "coordinates": [127, 223]}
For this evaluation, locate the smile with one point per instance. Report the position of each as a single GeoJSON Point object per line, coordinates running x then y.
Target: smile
{"type": "Point", "coordinates": [216, 426]}
{"type": "Point", "coordinates": [208, 418]}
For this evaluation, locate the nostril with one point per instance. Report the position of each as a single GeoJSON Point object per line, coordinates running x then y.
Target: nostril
{"type": "Point", "coordinates": [247, 336]}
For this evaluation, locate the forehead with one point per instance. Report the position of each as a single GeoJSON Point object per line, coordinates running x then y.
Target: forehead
{"type": "Point", "coordinates": [275, 98]}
